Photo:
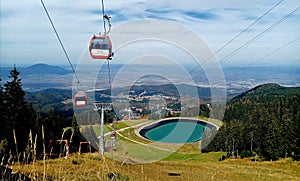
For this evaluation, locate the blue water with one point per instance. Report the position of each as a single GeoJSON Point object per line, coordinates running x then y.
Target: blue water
{"type": "Point", "coordinates": [174, 131]}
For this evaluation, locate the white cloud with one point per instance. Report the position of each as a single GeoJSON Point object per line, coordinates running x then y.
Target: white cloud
{"type": "Point", "coordinates": [24, 24]}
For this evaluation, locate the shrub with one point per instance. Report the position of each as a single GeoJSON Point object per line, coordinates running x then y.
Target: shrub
{"type": "Point", "coordinates": [246, 154]}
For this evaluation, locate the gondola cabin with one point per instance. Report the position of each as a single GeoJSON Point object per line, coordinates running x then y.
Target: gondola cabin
{"type": "Point", "coordinates": [80, 99]}
{"type": "Point", "coordinates": [100, 47]}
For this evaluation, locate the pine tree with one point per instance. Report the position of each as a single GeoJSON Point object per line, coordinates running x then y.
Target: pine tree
{"type": "Point", "coordinates": [77, 137]}
{"type": "Point", "coordinates": [19, 116]}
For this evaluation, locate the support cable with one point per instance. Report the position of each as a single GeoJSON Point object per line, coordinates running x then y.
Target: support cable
{"type": "Point", "coordinates": [269, 54]}
{"type": "Point", "coordinates": [61, 43]}
{"type": "Point", "coordinates": [106, 18]}
{"type": "Point", "coordinates": [226, 58]}
{"type": "Point", "coordinates": [238, 35]}
{"type": "Point", "coordinates": [103, 14]}
{"type": "Point", "coordinates": [109, 76]}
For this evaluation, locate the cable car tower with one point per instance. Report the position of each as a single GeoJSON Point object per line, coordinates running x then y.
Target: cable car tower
{"type": "Point", "coordinates": [101, 107]}
{"type": "Point", "coordinates": [100, 47]}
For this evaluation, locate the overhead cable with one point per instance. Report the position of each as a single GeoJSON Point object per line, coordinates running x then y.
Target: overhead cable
{"type": "Point", "coordinates": [61, 43]}
{"type": "Point", "coordinates": [269, 54]}
{"type": "Point", "coordinates": [252, 40]}
{"type": "Point", "coordinates": [239, 34]}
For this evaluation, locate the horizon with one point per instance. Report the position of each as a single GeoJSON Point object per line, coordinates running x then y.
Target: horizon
{"type": "Point", "coordinates": [67, 66]}
{"type": "Point", "coordinates": [237, 78]}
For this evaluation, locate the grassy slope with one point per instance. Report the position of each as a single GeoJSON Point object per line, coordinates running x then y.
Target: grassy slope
{"type": "Point", "coordinates": [190, 164]}
{"type": "Point", "coordinates": [203, 166]}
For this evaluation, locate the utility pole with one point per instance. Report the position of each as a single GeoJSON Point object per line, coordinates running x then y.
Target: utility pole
{"type": "Point", "coordinates": [101, 107]}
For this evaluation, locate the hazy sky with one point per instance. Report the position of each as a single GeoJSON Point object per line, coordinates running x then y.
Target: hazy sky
{"type": "Point", "coordinates": [28, 38]}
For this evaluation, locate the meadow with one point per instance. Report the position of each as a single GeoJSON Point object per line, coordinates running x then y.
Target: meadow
{"type": "Point", "coordinates": [187, 163]}
{"type": "Point", "coordinates": [178, 166]}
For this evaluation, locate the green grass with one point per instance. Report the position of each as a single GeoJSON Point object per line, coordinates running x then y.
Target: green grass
{"type": "Point", "coordinates": [119, 125]}
{"type": "Point", "coordinates": [197, 157]}
{"type": "Point", "coordinates": [135, 122]}
{"type": "Point", "coordinates": [137, 153]}
{"type": "Point", "coordinates": [129, 133]}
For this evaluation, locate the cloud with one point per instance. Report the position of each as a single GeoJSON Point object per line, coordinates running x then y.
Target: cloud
{"type": "Point", "coordinates": [24, 24]}
{"type": "Point", "coordinates": [201, 15]}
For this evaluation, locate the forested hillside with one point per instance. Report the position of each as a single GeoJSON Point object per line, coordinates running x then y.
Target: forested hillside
{"type": "Point", "coordinates": [264, 120]}
{"type": "Point", "coordinates": [47, 99]}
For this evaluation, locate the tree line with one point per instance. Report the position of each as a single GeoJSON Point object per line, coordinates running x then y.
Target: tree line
{"type": "Point", "coordinates": [21, 123]}
{"type": "Point", "coordinates": [264, 121]}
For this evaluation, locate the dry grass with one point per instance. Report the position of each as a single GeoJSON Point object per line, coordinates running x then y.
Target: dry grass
{"type": "Point", "coordinates": [197, 166]}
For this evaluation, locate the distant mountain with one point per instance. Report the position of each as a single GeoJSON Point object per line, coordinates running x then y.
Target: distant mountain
{"type": "Point", "coordinates": [269, 89]}
{"type": "Point", "coordinates": [40, 68]}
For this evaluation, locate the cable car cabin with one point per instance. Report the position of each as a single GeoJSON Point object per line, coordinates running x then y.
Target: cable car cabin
{"type": "Point", "coordinates": [100, 47]}
{"type": "Point", "coordinates": [80, 99]}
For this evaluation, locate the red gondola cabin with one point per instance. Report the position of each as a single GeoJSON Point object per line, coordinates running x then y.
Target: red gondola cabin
{"type": "Point", "coordinates": [100, 47]}
{"type": "Point", "coordinates": [80, 99]}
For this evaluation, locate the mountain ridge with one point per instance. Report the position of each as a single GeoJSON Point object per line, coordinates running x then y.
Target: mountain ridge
{"type": "Point", "coordinates": [41, 68]}
{"type": "Point", "coordinates": [266, 89]}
